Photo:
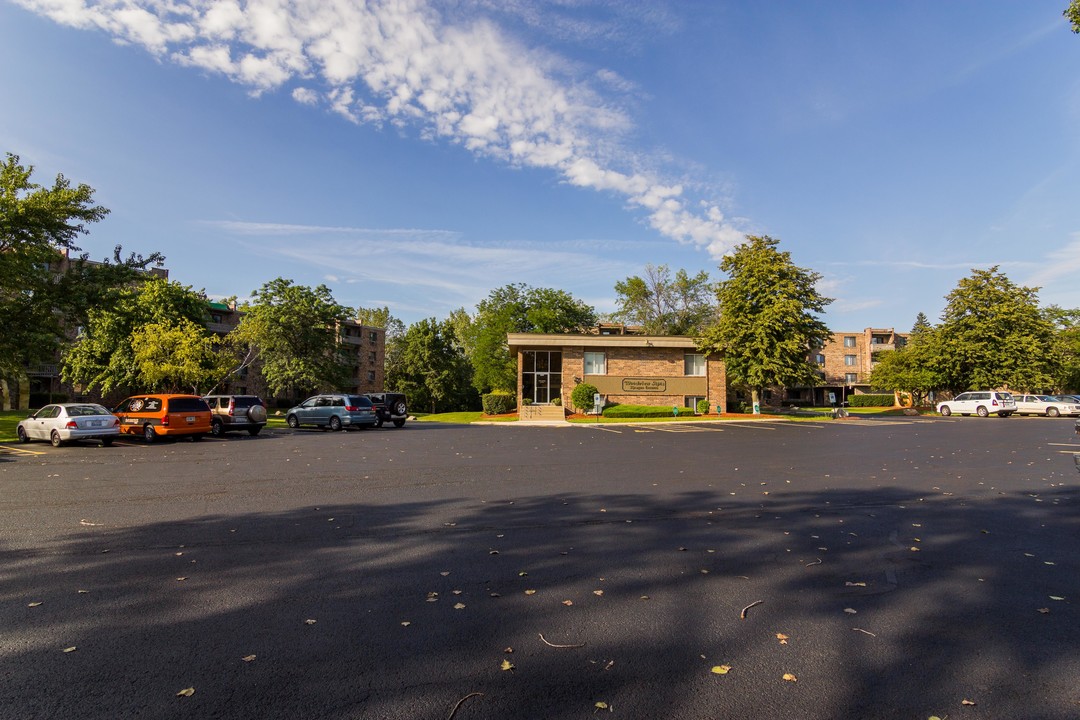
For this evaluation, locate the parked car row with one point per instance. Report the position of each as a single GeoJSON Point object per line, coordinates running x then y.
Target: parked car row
{"type": "Point", "coordinates": [153, 415]}
{"type": "Point", "coordinates": [1004, 404]}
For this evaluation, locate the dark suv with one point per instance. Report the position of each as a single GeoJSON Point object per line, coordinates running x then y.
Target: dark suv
{"type": "Point", "coordinates": [236, 412]}
{"type": "Point", "coordinates": [389, 406]}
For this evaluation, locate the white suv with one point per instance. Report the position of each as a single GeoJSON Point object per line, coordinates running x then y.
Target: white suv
{"type": "Point", "coordinates": [982, 403]}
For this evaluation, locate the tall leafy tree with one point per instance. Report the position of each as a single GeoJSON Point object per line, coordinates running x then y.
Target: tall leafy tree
{"type": "Point", "coordinates": [46, 285]}
{"type": "Point", "coordinates": [179, 356]}
{"type": "Point", "coordinates": [768, 318]}
{"type": "Point", "coordinates": [993, 334]}
{"type": "Point", "coordinates": [295, 333]}
{"type": "Point", "coordinates": [519, 308]}
{"type": "Point", "coordinates": [1066, 323]}
{"type": "Point", "coordinates": [431, 367]}
{"type": "Point", "coordinates": [104, 357]}
{"type": "Point", "coordinates": [666, 305]}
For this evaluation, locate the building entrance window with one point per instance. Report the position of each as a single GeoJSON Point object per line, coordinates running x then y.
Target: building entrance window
{"type": "Point", "coordinates": [541, 375]}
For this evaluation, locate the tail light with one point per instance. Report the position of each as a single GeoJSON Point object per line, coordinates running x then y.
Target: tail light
{"type": "Point", "coordinates": [115, 421]}
{"type": "Point", "coordinates": [352, 408]}
{"type": "Point", "coordinates": [165, 420]}
{"type": "Point", "coordinates": [72, 425]}
{"type": "Point", "coordinates": [232, 407]}
{"type": "Point", "coordinates": [994, 402]}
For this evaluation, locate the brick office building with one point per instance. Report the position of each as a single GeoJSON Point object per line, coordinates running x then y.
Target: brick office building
{"type": "Point", "coordinates": [625, 367]}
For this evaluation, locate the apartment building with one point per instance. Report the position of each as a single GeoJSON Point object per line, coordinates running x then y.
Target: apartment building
{"type": "Point", "coordinates": [366, 345]}
{"type": "Point", "coordinates": [845, 362]}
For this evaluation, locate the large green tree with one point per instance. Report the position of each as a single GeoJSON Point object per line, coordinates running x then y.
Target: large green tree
{"type": "Point", "coordinates": [1066, 323]}
{"type": "Point", "coordinates": [431, 368]}
{"type": "Point", "coordinates": [767, 319]}
{"type": "Point", "coordinates": [666, 305]}
{"type": "Point", "coordinates": [46, 285]}
{"type": "Point", "coordinates": [104, 355]}
{"type": "Point", "coordinates": [993, 334]}
{"type": "Point", "coordinates": [294, 333]}
{"type": "Point", "coordinates": [179, 356]}
{"type": "Point", "coordinates": [519, 308]}
{"type": "Point", "coordinates": [913, 368]}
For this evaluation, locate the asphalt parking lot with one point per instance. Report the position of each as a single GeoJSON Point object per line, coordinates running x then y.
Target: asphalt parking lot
{"type": "Point", "coordinates": [881, 568]}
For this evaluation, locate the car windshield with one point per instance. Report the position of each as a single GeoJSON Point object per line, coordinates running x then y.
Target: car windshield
{"type": "Point", "coordinates": [359, 401]}
{"type": "Point", "coordinates": [246, 402]}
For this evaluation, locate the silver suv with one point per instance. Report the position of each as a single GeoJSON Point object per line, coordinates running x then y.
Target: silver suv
{"type": "Point", "coordinates": [982, 403]}
{"type": "Point", "coordinates": [236, 412]}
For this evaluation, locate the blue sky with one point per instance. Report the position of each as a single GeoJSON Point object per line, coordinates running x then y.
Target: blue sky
{"type": "Point", "coordinates": [418, 153]}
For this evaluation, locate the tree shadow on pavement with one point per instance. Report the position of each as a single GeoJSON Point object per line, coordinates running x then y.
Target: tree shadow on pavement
{"type": "Point", "coordinates": [880, 603]}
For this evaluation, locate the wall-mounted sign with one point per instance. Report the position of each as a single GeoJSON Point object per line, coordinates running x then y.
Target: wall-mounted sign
{"type": "Point", "coordinates": [644, 385]}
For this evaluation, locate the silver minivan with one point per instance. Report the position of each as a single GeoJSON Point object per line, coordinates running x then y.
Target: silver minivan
{"type": "Point", "coordinates": [336, 412]}
{"type": "Point", "coordinates": [981, 403]}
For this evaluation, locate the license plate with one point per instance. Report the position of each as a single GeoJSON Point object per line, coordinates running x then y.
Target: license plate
{"type": "Point", "coordinates": [190, 419]}
{"type": "Point", "coordinates": [95, 423]}
{"type": "Point", "coordinates": [132, 421]}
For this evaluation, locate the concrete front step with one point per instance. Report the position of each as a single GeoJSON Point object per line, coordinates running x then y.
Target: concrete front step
{"type": "Point", "coordinates": [541, 412]}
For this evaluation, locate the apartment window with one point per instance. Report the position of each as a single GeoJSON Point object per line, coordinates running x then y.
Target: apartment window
{"type": "Point", "coordinates": [371, 357]}
{"type": "Point", "coordinates": [694, 364]}
{"type": "Point", "coordinates": [371, 376]}
{"type": "Point", "coordinates": [374, 338]}
{"type": "Point", "coordinates": [595, 363]}
{"type": "Point", "coordinates": [819, 359]}
{"type": "Point", "coordinates": [850, 359]}
{"type": "Point", "coordinates": [851, 378]}
{"type": "Point", "coordinates": [849, 341]}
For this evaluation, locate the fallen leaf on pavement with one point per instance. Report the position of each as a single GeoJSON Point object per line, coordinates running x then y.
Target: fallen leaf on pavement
{"type": "Point", "coordinates": [248, 658]}
{"type": "Point", "coordinates": [721, 669]}
{"type": "Point", "coordinates": [507, 665]}
{"type": "Point", "coordinates": [790, 678]}
{"type": "Point", "coordinates": [70, 649]}
{"type": "Point", "coordinates": [186, 692]}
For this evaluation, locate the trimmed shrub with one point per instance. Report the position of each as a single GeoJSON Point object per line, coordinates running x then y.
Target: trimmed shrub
{"type": "Point", "coordinates": [582, 396]}
{"type": "Point", "coordinates": [498, 403]}
{"type": "Point", "coordinates": [643, 411]}
{"type": "Point", "coordinates": [557, 402]}
{"type": "Point", "coordinates": [869, 400]}
{"type": "Point", "coordinates": [703, 406]}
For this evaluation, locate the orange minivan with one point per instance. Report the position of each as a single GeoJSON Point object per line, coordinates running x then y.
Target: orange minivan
{"type": "Point", "coordinates": [154, 415]}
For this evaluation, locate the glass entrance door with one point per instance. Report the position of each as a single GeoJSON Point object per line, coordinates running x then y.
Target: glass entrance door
{"type": "Point", "coordinates": [541, 375]}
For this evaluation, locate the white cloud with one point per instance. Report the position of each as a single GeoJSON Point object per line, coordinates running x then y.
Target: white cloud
{"type": "Point", "coordinates": [402, 62]}
{"type": "Point", "coordinates": [1061, 263]}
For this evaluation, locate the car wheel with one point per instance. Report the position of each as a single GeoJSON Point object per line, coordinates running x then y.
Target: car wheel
{"type": "Point", "coordinates": [23, 437]}
{"type": "Point", "coordinates": [1005, 414]}
{"type": "Point", "coordinates": [254, 431]}
{"type": "Point", "coordinates": [1052, 412]}
{"type": "Point", "coordinates": [217, 429]}
{"type": "Point", "coordinates": [945, 410]}
{"type": "Point", "coordinates": [378, 421]}
{"type": "Point", "coordinates": [983, 412]}
{"type": "Point", "coordinates": [54, 438]}
{"type": "Point", "coordinates": [335, 423]}
{"type": "Point", "coordinates": [399, 409]}
{"type": "Point", "coordinates": [106, 442]}
{"type": "Point", "coordinates": [149, 433]}
{"type": "Point", "coordinates": [399, 423]}
{"type": "Point", "coordinates": [292, 421]}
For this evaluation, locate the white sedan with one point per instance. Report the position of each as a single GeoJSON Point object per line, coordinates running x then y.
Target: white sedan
{"type": "Point", "coordinates": [65, 422]}
{"type": "Point", "coordinates": [1045, 405]}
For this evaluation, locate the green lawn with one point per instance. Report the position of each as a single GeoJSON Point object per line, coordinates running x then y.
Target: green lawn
{"type": "Point", "coordinates": [461, 417]}
{"type": "Point", "coordinates": [8, 420]}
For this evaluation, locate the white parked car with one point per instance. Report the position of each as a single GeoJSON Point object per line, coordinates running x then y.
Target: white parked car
{"type": "Point", "coordinates": [65, 422]}
{"type": "Point", "coordinates": [981, 403]}
{"type": "Point", "coordinates": [1045, 405]}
